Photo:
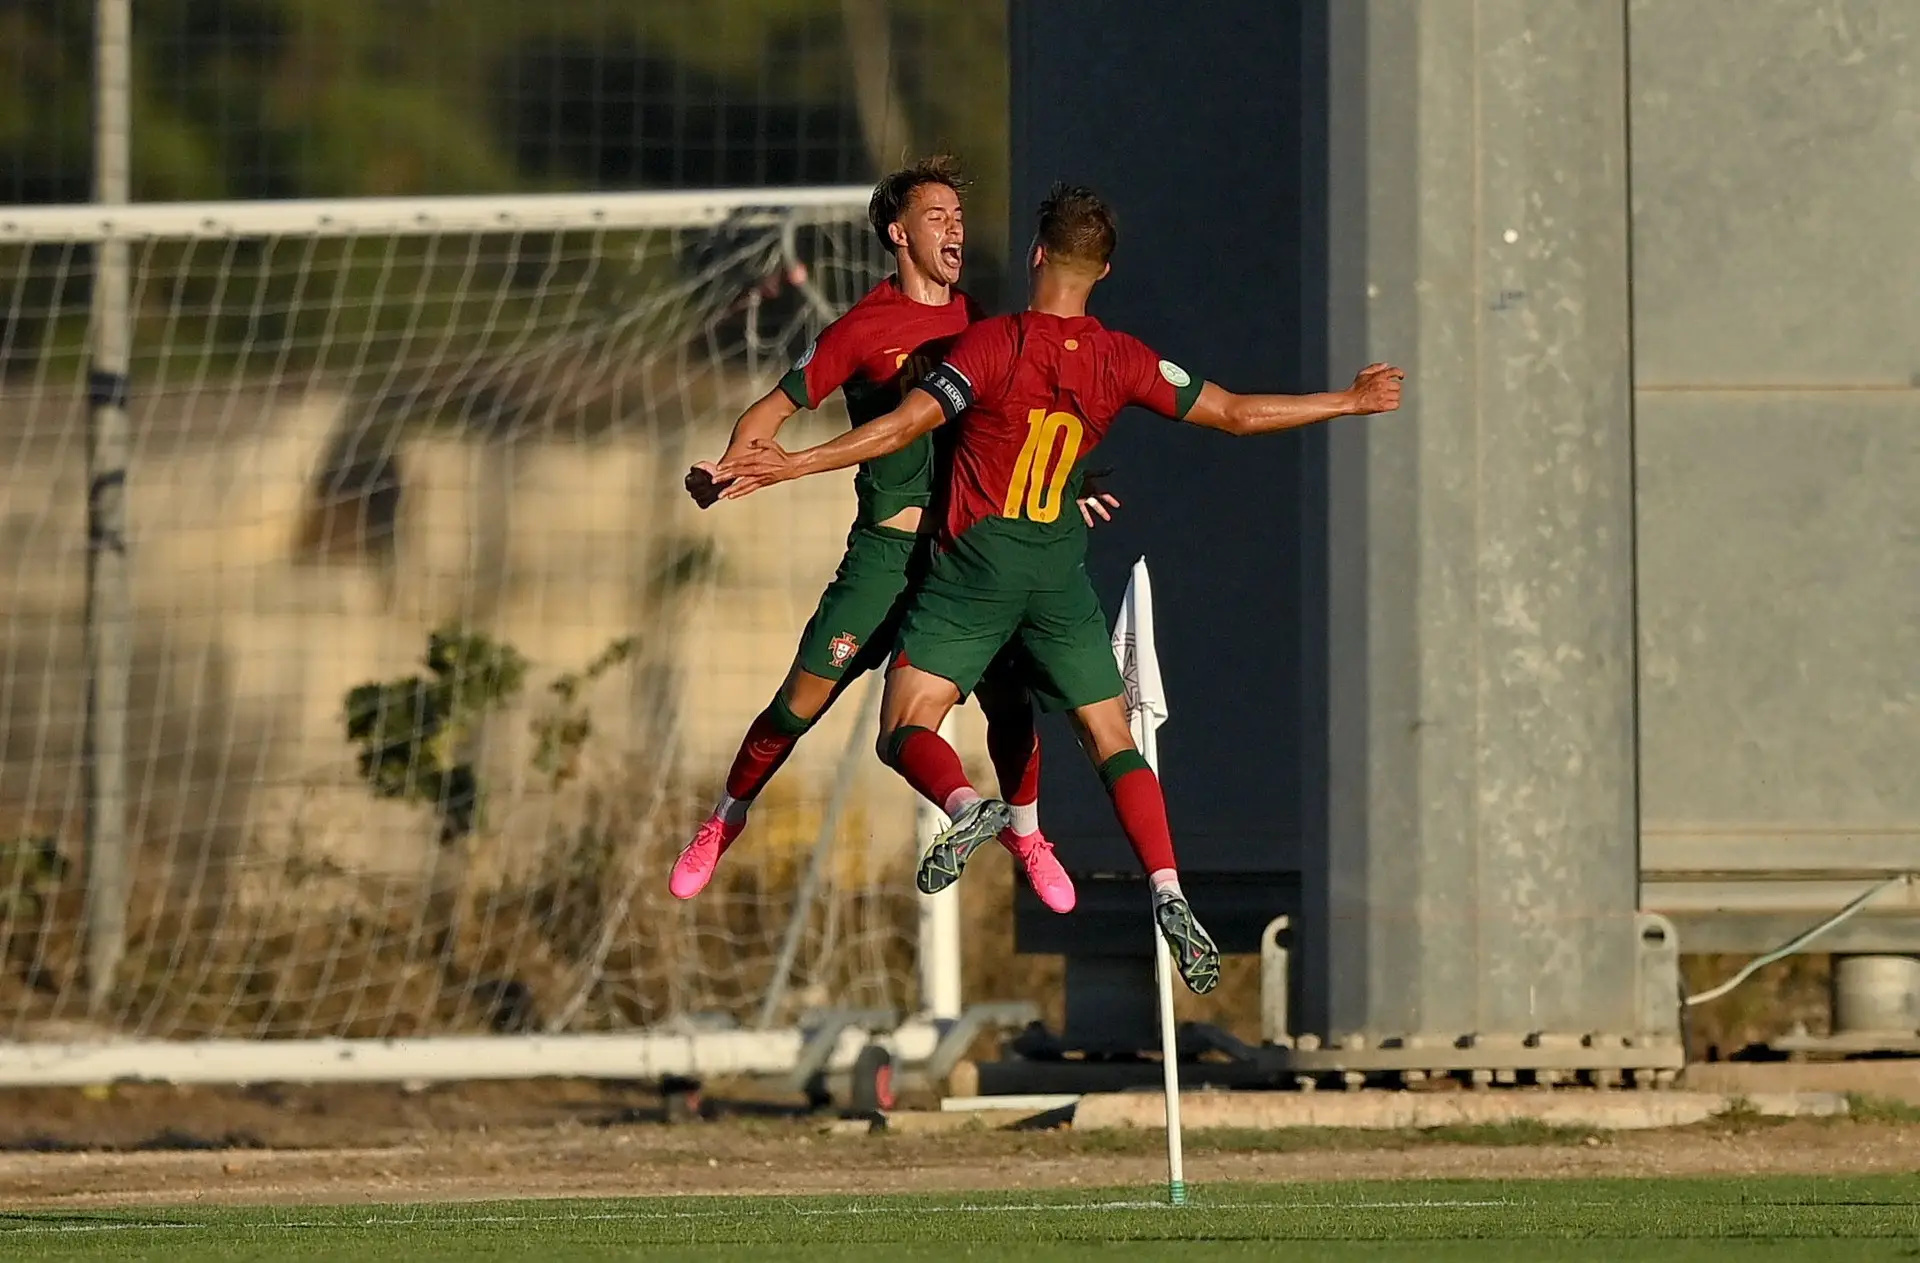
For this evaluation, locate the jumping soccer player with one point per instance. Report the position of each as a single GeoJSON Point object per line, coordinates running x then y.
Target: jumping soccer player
{"type": "Point", "coordinates": [1034, 392]}
{"type": "Point", "coordinates": [873, 354]}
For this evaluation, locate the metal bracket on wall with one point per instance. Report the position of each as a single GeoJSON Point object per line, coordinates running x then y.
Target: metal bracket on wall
{"type": "Point", "coordinates": [1658, 968]}
{"type": "Point", "coordinates": [957, 1037]}
{"type": "Point", "coordinates": [823, 1030]}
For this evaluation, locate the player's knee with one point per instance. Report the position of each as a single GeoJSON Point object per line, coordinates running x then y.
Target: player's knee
{"type": "Point", "coordinates": [893, 735]}
{"type": "Point", "coordinates": [1103, 730]}
{"type": "Point", "coordinates": [804, 697]}
{"type": "Point", "coordinates": [924, 712]}
{"type": "Point", "coordinates": [788, 718]}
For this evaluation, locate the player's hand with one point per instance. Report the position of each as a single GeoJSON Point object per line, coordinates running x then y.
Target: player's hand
{"type": "Point", "coordinates": [703, 485]}
{"type": "Point", "coordinates": [1099, 505]}
{"type": "Point", "coordinates": [1096, 499]}
{"type": "Point", "coordinates": [761, 463]}
{"type": "Point", "coordinates": [1376, 388]}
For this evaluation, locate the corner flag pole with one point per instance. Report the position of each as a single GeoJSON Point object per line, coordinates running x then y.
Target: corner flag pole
{"type": "Point", "coordinates": [1146, 710]}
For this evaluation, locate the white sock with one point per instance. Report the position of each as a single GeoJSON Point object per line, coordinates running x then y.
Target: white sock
{"type": "Point", "coordinates": [959, 800]}
{"type": "Point", "coordinates": [1026, 818]}
{"type": "Point", "coordinates": [732, 810]}
{"type": "Point", "coordinates": [1165, 883]}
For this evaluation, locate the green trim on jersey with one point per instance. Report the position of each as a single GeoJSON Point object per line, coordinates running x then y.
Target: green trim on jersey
{"type": "Point", "coordinates": [1186, 388]}
{"type": "Point", "coordinates": [795, 386]}
{"type": "Point", "coordinates": [1184, 397]}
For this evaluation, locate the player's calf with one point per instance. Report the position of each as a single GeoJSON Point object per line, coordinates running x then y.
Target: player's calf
{"type": "Point", "coordinates": [1013, 747]}
{"type": "Point", "coordinates": [1142, 810]}
{"type": "Point", "coordinates": [769, 740]}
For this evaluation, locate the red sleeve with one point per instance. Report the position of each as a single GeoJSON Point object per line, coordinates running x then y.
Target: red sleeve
{"type": "Point", "coordinates": [975, 369]}
{"type": "Point", "coordinates": [982, 354]}
{"type": "Point", "coordinates": [1154, 382]}
{"type": "Point", "coordinates": [975, 312]}
{"type": "Point", "coordinates": [825, 365]}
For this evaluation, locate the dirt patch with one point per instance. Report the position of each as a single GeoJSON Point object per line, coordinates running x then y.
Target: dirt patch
{"type": "Point", "coordinates": [132, 1117]}
{"type": "Point", "coordinates": [160, 1146]}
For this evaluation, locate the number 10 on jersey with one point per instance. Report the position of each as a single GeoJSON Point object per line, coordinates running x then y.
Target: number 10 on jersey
{"type": "Point", "coordinates": [1039, 481]}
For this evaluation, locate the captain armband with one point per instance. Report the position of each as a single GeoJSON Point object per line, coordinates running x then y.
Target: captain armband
{"type": "Point", "coordinates": [949, 388]}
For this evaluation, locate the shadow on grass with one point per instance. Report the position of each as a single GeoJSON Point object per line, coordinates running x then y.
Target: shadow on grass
{"type": "Point", "coordinates": [167, 1140]}
{"type": "Point", "coordinates": [1519, 1133]}
{"type": "Point", "coordinates": [52, 1221]}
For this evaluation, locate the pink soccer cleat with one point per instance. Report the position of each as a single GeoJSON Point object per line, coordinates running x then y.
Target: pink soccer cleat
{"type": "Point", "coordinates": [1044, 874]}
{"type": "Point", "coordinates": [694, 869]}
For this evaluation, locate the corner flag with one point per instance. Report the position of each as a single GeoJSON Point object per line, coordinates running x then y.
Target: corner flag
{"type": "Point", "coordinates": [1139, 664]}
{"type": "Point", "coordinates": [1146, 710]}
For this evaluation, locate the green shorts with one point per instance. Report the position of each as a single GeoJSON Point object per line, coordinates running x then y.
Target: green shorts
{"type": "Point", "coordinates": [1056, 639]}
{"type": "Point", "coordinates": [854, 627]}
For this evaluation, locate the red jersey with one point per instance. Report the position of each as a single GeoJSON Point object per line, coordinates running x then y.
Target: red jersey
{"type": "Point", "coordinates": [875, 352]}
{"type": "Point", "coordinates": [1031, 395]}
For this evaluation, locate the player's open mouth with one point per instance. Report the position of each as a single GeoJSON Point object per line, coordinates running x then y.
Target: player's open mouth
{"type": "Point", "coordinates": [950, 255]}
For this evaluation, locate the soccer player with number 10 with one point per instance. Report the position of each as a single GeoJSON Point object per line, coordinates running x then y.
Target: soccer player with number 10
{"type": "Point", "coordinates": [1033, 394]}
{"type": "Point", "coordinates": [873, 354]}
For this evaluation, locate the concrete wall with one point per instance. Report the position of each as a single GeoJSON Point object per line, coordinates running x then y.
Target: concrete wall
{"type": "Point", "coordinates": [1479, 869]}
{"type": "Point", "coordinates": [1776, 270]}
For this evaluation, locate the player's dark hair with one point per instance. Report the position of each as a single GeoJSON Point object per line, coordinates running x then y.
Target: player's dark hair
{"type": "Point", "coordinates": [895, 191]}
{"type": "Point", "coordinates": [1077, 227]}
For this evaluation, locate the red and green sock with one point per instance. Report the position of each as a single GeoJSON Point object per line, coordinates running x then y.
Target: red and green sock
{"type": "Point", "coordinates": [929, 764]}
{"type": "Point", "coordinates": [770, 739]}
{"type": "Point", "coordinates": [1142, 810]}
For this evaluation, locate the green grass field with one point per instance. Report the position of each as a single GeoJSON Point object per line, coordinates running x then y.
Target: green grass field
{"type": "Point", "coordinates": [1642, 1221]}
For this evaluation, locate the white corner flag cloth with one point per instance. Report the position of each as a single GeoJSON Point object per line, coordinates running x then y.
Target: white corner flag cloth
{"type": "Point", "coordinates": [1139, 665]}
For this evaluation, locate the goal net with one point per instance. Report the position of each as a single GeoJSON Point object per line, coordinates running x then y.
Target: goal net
{"type": "Point", "coordinates": [434, 664]}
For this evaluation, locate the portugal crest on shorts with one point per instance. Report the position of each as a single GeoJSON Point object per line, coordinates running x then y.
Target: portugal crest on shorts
{"type": "Point", "coordinates": [841, 648]}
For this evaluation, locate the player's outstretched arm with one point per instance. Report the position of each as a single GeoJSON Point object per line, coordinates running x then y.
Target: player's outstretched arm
{"type": "Point", "coordinates": [760, 422]}
{"type": "Point", "coordinates": [765, 462]}
{"type": "Point", "coordinates": [1375, 389]}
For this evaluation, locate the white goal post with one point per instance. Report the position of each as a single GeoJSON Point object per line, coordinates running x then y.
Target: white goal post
{"type": "Point", "coordinates": [431, 666]}
{"type": "Point", "coordinates": [443, 216]}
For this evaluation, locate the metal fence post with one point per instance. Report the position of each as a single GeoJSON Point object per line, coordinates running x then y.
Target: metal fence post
{"type": "Point", "coordinates": [108, 617]}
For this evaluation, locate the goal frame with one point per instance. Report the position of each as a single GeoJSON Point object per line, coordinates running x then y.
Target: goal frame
{"type": "Point", "coordinates": [641, 1054]}
{"type": "Point", "coordinates": [418, 216]}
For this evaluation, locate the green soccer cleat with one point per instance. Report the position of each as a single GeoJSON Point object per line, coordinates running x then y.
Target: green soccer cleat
{"type": "Point", "coordinates": [1194, 954]}
{"type": "Point", "coordinates": [978, 823]}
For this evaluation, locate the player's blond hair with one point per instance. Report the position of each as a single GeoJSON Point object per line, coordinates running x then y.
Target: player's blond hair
{"type": "Point", "coordinates": [1077, 228]}
{"type": "Point", "coordinates": [896, 190]}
